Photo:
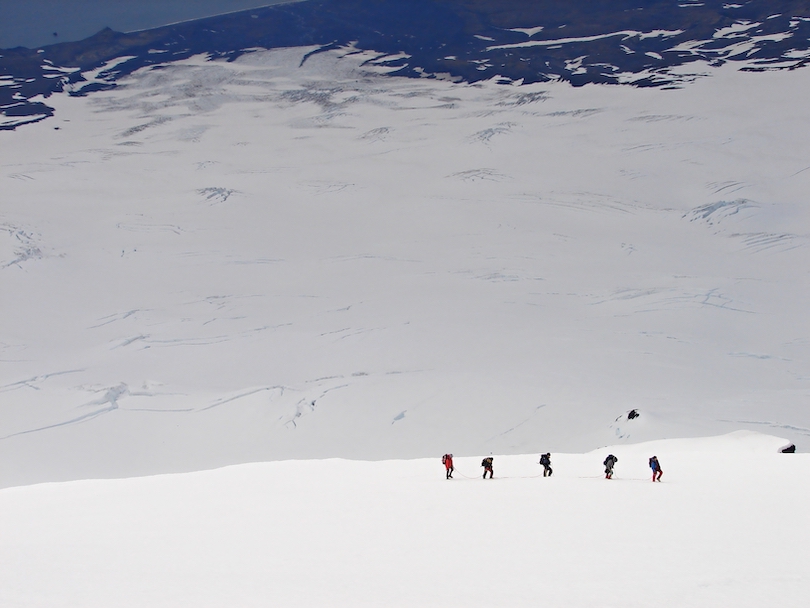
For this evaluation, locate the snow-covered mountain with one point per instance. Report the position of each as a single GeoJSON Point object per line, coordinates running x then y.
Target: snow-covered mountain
{"type": "Point", "coordinates": [643, 42]}
{"type": "Point", "coordinates": [251, 242]}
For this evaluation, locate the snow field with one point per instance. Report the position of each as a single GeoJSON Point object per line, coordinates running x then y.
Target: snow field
{"type": "Point", "coordinates": [726, 527]}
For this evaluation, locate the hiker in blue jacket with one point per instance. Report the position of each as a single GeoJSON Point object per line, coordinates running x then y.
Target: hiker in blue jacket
{"type": "Point", "coordinates": [656, 468]}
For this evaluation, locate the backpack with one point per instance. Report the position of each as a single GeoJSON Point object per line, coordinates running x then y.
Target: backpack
{"type": "Point", "coordinates": [486, 462]}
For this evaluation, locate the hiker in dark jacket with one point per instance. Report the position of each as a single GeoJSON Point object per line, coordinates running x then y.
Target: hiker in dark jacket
{"type": "Point", "coordinates": [545, 460]}
{"type": "Point", "coordinates": [656, 469]}
{"type": "Point", "coordinates": [447, 461]}
{"type": "Point", "coordinates": [609, 462]}
{"type": "Point", "coordinates": [487, 464]}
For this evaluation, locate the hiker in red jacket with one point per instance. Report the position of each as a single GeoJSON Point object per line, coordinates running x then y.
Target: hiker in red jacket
{"type": "Point", "coordinates": [447, 461]}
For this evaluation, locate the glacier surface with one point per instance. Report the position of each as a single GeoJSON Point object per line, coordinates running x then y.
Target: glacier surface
{"type": "Point", "coordinates": [230, 261]}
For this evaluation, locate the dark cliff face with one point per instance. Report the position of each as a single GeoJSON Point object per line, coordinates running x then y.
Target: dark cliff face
{"type": "Point", "coordinates": [633, 42]}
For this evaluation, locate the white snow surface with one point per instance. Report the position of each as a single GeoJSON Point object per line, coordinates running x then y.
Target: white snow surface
{"type": "Point", "coordinates": [219, 263]}
{"type": "Point", "coordinates": [727, 526]}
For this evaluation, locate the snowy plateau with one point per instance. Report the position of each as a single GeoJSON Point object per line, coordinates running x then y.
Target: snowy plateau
{"type": "Point", "coordinates": [247, 305]}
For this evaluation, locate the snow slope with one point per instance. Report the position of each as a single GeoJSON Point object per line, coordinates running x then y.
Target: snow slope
{"type": "Point", "coordinates": [229, 262]}
{"type": "Point", "coordinates": [726, 527]}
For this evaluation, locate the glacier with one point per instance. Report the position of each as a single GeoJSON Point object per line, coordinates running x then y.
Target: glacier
{"type": "Point", "coordinates": [295, 255]}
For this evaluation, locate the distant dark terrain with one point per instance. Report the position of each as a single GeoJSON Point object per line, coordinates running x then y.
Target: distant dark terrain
{"type": "Point", "coordinates": [36, 23]}
{"type": "Point", "coordinates": [636, 42]}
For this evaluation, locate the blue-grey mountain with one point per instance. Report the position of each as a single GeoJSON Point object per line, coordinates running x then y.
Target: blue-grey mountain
{"type": "Point", "coordinates": [637, 42]}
